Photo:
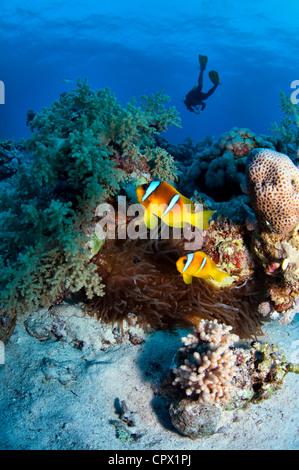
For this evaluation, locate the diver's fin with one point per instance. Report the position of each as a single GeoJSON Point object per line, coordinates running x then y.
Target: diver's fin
{"type": "Point", "coordinates": [203, 60]}
{"type": "Point", "coordinates": [187, 279]}
{"type": "Point", "coordinates": [218, 275]}
{"type": "Point", "coordinates": [201, 219]}
{"type": "Point", "coordinates": [214, 77]}
{"type": "Point", "coordinates": [150, 220]}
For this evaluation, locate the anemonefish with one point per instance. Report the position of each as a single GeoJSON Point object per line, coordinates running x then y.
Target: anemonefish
{"type": "Point", "coordinates": [163, 201]}
{"type": "Point", "coordinates": [198, 264]}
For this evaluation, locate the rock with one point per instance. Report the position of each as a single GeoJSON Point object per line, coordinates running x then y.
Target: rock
{"type": "Point", "coordinates": [194, 419]}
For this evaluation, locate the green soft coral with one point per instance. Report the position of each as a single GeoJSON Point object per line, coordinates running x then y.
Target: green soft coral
{"type": "Point", "coordinates": [288, 128]}
{"type": "Point", "coordinates": [85, 147]}
{"type": "Point", "coordinates": [164, 166]}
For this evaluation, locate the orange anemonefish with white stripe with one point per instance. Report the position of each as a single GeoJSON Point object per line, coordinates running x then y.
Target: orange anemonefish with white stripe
{"type": "Point", "coordinates": [163, 201]}
{"type": "Point", "coordinates": [198, 264]}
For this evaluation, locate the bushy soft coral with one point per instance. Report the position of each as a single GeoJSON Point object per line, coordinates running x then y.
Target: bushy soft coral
{"type": "Point", "coordinates": [10, 157]}
{"type": "Point", "coordinates": [82, 151]}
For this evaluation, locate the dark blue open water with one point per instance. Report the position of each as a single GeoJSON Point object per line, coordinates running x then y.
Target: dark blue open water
{"type": "Point", "coordinates": [140, 47]}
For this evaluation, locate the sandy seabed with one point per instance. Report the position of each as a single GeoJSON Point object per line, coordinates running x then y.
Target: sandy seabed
{"type": "Point", "coordinates": [94, 389]}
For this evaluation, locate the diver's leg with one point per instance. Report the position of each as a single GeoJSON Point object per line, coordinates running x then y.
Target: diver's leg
{"type": "Point", "coordinates": [210, 92]}
{"type": "Point", "coordinates": [203, 59]}
{"type": "Point", "coordinates": [200, 79]}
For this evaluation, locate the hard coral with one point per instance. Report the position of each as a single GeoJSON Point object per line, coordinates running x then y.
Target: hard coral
{"type": "Point", "coordinates": [219, 169]}
{"type": "Point", "coordinates": [273, 186]}
{"type": "Point", "coordinates": [265, 367]}
{"type": "Point", "coordinates": [224, 242]}
{"type": "Point", "coordinates": [209, 363]}
{"type": "Point", "coordinates": [219, 373]}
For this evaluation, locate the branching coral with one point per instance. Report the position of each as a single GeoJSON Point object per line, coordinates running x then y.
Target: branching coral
{"type": "Point", "coordinates": [212, 367]}
{"type": "Point", "coordinates": [208, 375]}
{"type": "Point", "coordinates": [83, 149]}
{"type": "Point", "coordinates": [213, 372]}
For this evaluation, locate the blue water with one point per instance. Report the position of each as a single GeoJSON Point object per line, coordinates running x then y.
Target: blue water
{"type": "Point", "coordinates": [140, 47]}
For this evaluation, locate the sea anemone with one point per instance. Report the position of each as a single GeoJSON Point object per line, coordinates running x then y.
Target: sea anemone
{"type": "Point", "coordinates": [140, 278]}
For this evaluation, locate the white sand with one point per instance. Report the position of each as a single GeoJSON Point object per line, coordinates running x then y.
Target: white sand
{"type": "Point", "coordinates": [55, 396]}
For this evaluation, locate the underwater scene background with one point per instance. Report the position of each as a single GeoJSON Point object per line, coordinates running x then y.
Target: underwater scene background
{"type": "Point", "coordinates": [175, 126]}
{"type": "Point", "coordinates": [138, 48]}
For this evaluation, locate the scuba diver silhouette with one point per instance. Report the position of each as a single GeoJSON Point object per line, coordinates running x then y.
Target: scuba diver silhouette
{"type": "Point", "coordinates": [195, 98]}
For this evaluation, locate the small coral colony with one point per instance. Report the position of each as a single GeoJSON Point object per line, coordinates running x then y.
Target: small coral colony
{"type": "Point", "coordinates": [229, 260]}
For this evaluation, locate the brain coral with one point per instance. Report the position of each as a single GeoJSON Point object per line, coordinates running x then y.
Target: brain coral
{"type": "Point", "coordinates": [273, 186]}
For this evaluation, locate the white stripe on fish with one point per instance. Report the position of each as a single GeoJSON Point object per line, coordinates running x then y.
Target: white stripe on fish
{"type": "Point", "coordinates": [171, 204]}
{"type": "Point", "coordinates": [202, 265]}
{"type": "Point", "coordinates": [152, 187]}
{"type": "Point", "coordinates": [190, 257]}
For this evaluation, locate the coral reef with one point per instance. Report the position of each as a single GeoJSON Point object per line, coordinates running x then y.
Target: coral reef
{"type": "Point", "coordinates": [208, 377]}
{"type": "Point", "coordinates": [85, 147]}
{"type": "Point", "coordinates": [273, 186]}
{"type": "Point", "coordinates": [10, 158]}
{"type": "Point", "coordinates": [214, 372]}
{"type": "Point", "coordinates": [68, 323]}
{"type": "Point", "coordinates": [266, 369]}
{"type": "Point", "coordinates": [225, 243]}
{"type": "Point", "coordinates": [218, 170]}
